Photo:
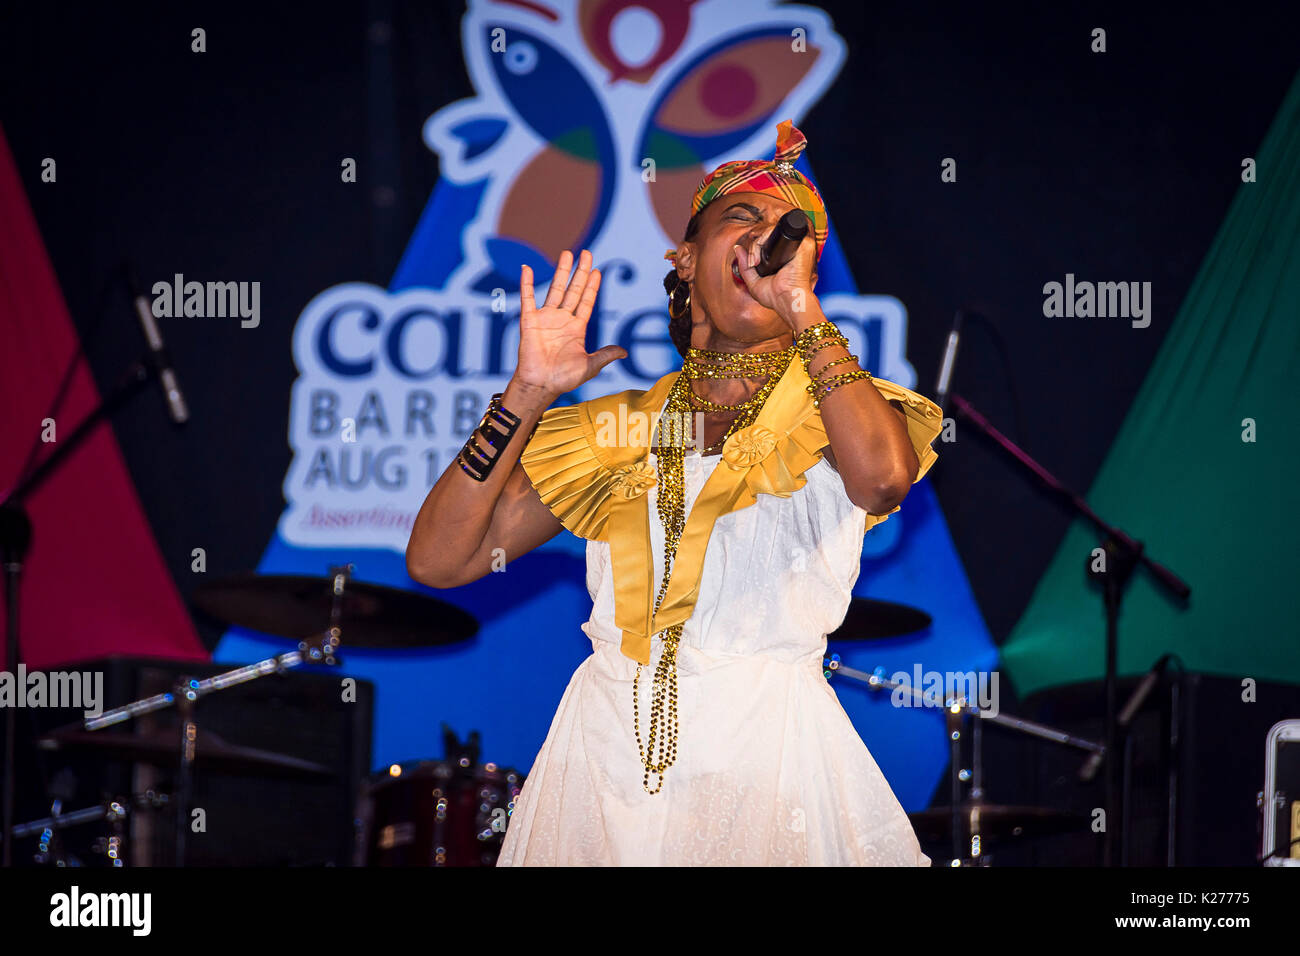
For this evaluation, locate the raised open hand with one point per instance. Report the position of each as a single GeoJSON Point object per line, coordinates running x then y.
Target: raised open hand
{"type": "Point", "coordinates": [552, 349]}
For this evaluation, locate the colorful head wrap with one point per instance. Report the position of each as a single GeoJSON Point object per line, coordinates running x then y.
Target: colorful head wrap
{"type": "Point", "coordinates": [776, 177]}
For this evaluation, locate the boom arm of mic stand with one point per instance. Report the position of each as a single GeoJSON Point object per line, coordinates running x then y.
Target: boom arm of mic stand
{"type": "Point", "coordinates": [136, 377]}
{"type": "Point", "coordinates": [878, 681]}
{"type": "Point", "coordinates": [1175, 584]}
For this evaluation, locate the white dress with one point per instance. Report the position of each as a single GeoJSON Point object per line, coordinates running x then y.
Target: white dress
{"type": "Point", "coordinates": [769, 770]}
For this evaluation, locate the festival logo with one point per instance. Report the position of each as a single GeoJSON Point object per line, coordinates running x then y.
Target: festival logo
{"type": "Point", "coordinates": [592, 124]}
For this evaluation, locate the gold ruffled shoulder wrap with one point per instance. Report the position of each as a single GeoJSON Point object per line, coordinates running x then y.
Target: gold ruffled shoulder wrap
{"type": "Point", "coordinates": [590, 465]}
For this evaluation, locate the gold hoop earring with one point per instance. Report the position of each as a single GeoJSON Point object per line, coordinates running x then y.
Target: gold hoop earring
{"type": "Point", "coordinates": [681, 310]}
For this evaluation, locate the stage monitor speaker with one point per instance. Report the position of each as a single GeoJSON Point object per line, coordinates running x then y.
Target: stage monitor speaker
{"type": "Point", "coordinates": [1194, 763]}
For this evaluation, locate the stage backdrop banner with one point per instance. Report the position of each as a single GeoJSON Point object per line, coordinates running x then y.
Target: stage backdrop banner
{"type": "Point", "coordinates": [1201, 471]}
{"type": "Point", "coordinates": [589, 128]}
{"type": "Point", "coordinates": [94, 581]}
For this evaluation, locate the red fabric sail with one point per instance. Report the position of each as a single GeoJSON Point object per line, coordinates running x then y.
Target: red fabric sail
{"type": "Point", "coordinates": [95, 582]}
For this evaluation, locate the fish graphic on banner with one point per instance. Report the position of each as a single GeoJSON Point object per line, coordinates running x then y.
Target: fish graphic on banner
{"type": "Point", "coordinates": [591, 125]}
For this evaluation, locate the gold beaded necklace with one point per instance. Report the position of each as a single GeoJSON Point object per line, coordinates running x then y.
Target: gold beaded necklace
{"type": "Point", "coordinates": [670, 503]}
{"type": "Point", "coordinates": [703, 364]}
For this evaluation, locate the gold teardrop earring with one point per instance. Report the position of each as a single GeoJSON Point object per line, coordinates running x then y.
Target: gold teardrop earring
{"type": "Point", "coordinates": [673, 299]}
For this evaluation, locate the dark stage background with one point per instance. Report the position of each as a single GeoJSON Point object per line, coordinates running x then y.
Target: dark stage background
{"type": "Point", "coordinates": [1117, 166]}
{"type": "Point", "coordinates": [1112, 167]}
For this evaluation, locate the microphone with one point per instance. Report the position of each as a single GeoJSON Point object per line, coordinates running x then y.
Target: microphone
{"type": "Point", "coordinates": [782, 243]}
{"type": "Point", "coordinates": [158, 355]}
{"type": "Point", "coordinates": [1125, 716]}
{"type": "Point", "coordinates": [949, 360]}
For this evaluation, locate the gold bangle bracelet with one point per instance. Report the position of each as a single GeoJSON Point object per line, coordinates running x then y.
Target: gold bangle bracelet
{"type": "Point", "coordinates": [832, 363]}
{"type": "Point", "coordinates": [823, 329]}
{"type": "Point", "coordinates": [820, 390]}
{"type": "Point", "coordinates": [808, 357]}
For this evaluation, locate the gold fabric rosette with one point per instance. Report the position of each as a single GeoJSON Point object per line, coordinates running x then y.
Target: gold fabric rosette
{"type": "Point", "coordinates": [633, 480]}
{"type": "Point", "coordinates": [748, 446]}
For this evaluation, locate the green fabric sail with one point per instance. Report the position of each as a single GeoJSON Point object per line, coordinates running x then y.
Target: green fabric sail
{"type": "Point", "coordinates": [1180, 478]}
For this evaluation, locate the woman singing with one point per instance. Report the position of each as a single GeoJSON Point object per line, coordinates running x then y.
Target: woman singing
{"type": "Point", "coordinates": [700, 731]}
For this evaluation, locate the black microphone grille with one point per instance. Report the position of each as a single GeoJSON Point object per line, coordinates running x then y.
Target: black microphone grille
{"type": "Point", "coordinates": [794, 224]}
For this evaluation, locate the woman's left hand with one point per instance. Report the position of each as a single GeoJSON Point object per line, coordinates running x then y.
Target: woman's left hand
{"type": "Point", "coordinates": [789, 290]}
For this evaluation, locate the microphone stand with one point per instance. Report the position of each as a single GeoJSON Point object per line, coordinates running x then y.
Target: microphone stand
{"type": "Point", "coordinates": [15, 537]}
{"type": "Point", "coordinates": [967, 839]}
{"type": "Point", "coordinates": [1123, 555]}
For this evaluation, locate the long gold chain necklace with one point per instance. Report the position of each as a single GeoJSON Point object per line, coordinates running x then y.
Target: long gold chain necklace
{"type": "Point", "coordinates": [670, 503]}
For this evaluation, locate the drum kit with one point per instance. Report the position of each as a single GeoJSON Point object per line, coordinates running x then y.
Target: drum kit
{"type": "Point", "coordinates": [453, 811]}
{"type": "Point", "coordinates": [448, 812]}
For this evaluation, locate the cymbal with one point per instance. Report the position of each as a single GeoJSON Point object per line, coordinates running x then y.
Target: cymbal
{"type": "Point", "coordinates": [997, 822]}
{"type": "Point", "coordinates": [872, 620]}
{"type": "Point", "coordinates": [298, 606]}
{"type": "Point", "coordinates": [162, 749]}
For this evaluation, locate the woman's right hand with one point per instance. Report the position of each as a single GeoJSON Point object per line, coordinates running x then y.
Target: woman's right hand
{"type": "Point", "coordinates": [553, 354]}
